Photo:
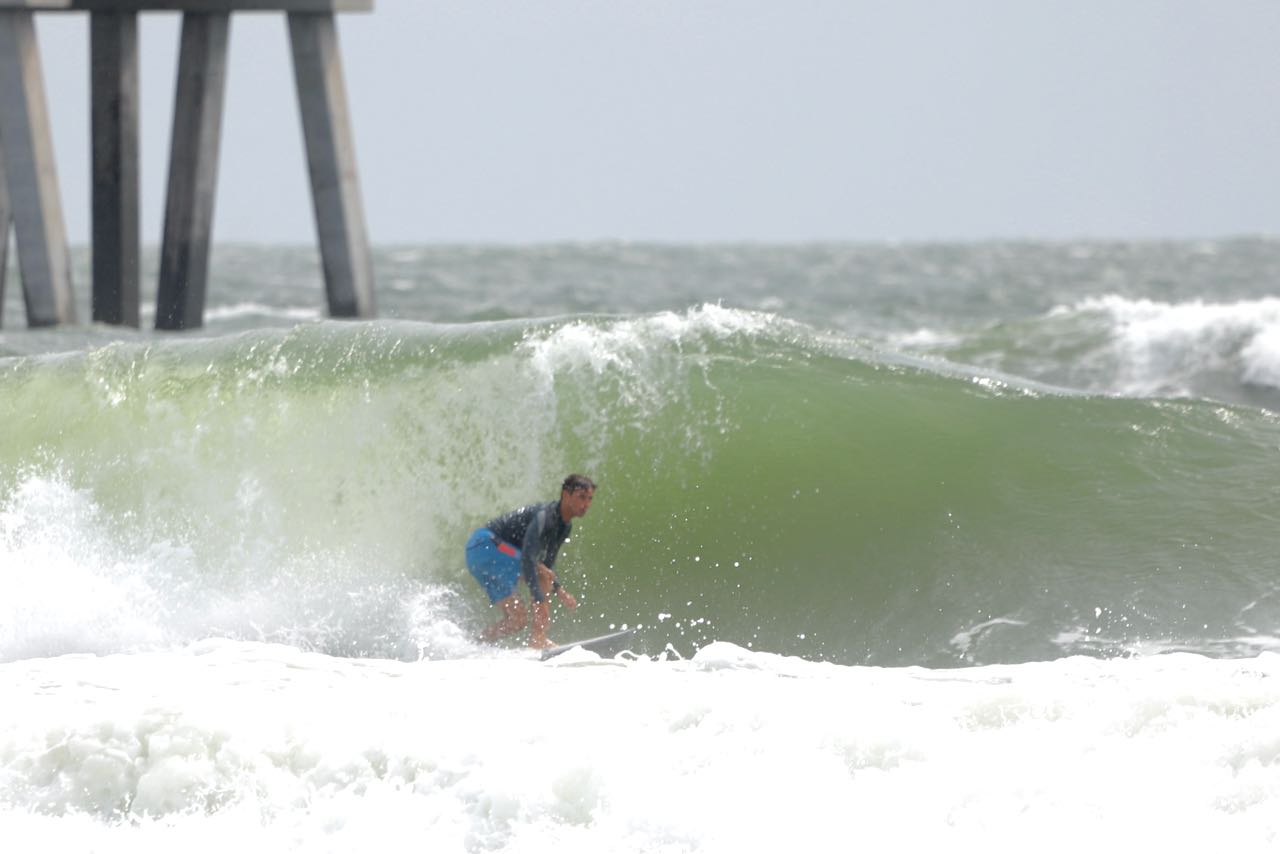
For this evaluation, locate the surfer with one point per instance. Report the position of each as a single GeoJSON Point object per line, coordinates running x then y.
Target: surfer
{"type": "Point", "coordinates": [524, 544]}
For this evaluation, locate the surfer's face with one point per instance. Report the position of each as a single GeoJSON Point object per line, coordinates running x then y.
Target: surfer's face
{"type": "Point", "coordinates": [577, 503]}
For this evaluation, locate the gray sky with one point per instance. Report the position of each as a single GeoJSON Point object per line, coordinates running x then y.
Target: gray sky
{"type": "Point", "coordinates": [762, 120]}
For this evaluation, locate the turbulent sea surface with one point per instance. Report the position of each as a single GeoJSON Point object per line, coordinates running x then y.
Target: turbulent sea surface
{"type": "Point", "coordinates": [967, 544]}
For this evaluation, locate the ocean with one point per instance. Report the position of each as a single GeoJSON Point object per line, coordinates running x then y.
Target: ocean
{"type": "Point", "coordinates": [971, 545]}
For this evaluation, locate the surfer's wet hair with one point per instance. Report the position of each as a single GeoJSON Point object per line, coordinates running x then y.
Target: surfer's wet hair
{"type": "Point", "coordinates": [577, 482]}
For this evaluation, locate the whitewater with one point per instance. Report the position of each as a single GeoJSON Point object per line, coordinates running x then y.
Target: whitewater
{"type": "Point", "coordinates": [227, 745]}
{"type": "Point", "coordinates": [959, 545]}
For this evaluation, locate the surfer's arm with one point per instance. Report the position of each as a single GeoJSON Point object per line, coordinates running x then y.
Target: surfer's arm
{"type": "Point", "coordinates": [549, 584]}
{"type": "Point", "coordinates": [530, 551]}
{"type": "Point", "coordinates": [542, 608]}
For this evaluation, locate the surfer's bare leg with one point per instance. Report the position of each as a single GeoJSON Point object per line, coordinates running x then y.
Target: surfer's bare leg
{"type": "Point", "coordinates": [514, 618]}
{"type": "Point", "coordinates": [541, 620]}
{"type": "Point", "coordinates": [542, 610]}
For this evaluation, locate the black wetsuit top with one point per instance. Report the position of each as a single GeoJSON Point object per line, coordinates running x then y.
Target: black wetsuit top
{"type": "Point", "coordinates": [538, 531]}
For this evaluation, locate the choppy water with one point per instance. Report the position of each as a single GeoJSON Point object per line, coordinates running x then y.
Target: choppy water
{"type": "Point", "coordinates": [879, 511]}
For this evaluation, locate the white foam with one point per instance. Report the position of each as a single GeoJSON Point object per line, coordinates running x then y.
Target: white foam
{"type": "Point", "coordinates": [226, 745]}
{"type": "Point", "coordinates": [62, 587]}
{"type": "Point", "coordinates": [239, 310]}
{"type": "Point", "coordinates": [1128, 347]}
{"type": "Point", "coordinates": [925, 339]}
{"type": "Point", "coordinates": [638, 366]}
{"type": "Point", "coordinates": [627, 343]}
{"type": "Point", "coordinates": [1164, 347]}
{"type": "Point", "coordinates": [76, 579]}
{"type": "Point", "coordinates": [1261, 357]}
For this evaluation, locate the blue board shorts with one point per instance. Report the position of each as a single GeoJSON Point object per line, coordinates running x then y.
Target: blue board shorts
{"type": "Point", "coordinates": [493, 563]}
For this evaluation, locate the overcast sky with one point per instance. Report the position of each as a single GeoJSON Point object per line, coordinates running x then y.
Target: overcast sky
{"type": "Point", "coordinates": [760, 120]}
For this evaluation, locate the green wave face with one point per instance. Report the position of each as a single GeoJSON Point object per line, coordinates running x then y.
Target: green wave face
{"type": "Point", "coordinates": [760, 483]}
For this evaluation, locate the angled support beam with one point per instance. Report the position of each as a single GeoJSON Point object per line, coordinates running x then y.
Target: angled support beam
{"type": "Point", "coordinates": [335, 187]}
{"type": "Point", "coordinates": [6, 219]}
{"type": "Point", "coordinates": [193, 170]}
{"type": "Point", "coordinates": [116, 242]}
{"type": "Point", "coordinates": [32, 176]}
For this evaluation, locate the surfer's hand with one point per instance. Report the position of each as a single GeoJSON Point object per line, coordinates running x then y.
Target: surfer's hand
{"type": "Point", "coordinates": [566, 598]}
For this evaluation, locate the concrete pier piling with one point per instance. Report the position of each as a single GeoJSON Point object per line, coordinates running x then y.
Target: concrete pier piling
{"type": "Point", "coordinates": [193, 170]}
{"type": "Point", "coordinates": [27, 167]}
{"type": "Point", "coordinates": [113, 63]}
{"type": "Point", "coordinates": [6, 224]}
{"type": "Point", "coordinates": [32, 178]}
{"type": "Point", "coordinates": [331, 158]}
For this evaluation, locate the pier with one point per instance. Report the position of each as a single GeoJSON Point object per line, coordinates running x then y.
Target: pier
{"type": "Point", "coordinates": [29, 194]}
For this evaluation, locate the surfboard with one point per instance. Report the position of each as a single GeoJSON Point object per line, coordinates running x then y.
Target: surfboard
{"type": "Point", "coordinates": [604, 645]}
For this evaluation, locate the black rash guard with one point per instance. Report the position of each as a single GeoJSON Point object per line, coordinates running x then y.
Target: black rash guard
{"type": "Point", "coordinates": [538, 531]}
